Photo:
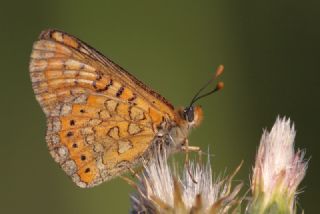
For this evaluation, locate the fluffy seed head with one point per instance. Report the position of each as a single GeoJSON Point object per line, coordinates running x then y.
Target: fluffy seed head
{"type": "Point", "coordinates": [162, 190]}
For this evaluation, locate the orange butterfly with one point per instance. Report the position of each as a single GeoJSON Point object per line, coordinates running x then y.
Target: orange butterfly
{"type": "Point", "coordinates": [101, 120]}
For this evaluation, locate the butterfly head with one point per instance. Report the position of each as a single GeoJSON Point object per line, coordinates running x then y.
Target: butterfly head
{"type": "Point", "coordinates": [192, 115]}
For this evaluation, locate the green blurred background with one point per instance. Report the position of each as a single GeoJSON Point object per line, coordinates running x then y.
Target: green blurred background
{"type": "Point", "coordinates": [270, 50]}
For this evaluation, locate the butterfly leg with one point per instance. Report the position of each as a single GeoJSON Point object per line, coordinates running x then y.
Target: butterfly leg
{"type": "Point", "coordinates": [188, 148]}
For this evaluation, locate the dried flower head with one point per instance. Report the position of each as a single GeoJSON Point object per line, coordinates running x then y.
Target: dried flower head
{"type": "Point", "coordinates": [162, 190]}
{"type": "Point", "coordinates": [278, 170]}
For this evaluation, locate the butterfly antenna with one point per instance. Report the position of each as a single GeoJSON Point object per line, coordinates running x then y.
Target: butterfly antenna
{"type": "Point", "coordinates": [218, 87]}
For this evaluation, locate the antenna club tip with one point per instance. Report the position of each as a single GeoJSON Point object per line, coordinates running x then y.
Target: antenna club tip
{"type": "Point", "coordinates": [220, 85]}
{"type": "Point", "coordinates": [219, 70]}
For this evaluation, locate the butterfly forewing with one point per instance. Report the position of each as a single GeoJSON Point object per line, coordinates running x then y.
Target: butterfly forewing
{"type": "Point", "coordinates": [100, 118]}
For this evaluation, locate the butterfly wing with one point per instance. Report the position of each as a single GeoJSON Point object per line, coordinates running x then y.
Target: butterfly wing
{"type": "Point", "coordinates": [101, 120]}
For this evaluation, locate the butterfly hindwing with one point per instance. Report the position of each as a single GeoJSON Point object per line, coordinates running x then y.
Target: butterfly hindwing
{"type": "Point", "coordinates": [100, 119]}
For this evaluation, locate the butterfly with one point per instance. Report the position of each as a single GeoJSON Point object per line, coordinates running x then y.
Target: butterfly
{"type": "Point", "coordinates": [101, 120]}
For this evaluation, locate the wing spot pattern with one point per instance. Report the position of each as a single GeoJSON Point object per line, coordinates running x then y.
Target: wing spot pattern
{"type": "Point", "coordinates": [136, 114]}
{"type": "Point", "coordinates": [134, 129]}
{"type": "Point", "coordinates": [114, 132]}
{"type": "Point", "coordinates": [85, 127]}
{"type": "Point", "coordinates": [120, 91]}
{"type": "Point", "coordinates": [124, 146]}
{"type": "Point", "coordinates": [69, 134]}
{"type": "Point", "coordinates": [111, 105]}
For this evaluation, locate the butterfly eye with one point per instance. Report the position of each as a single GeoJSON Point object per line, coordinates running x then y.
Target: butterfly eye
{"type": "Point", "coordinates": [188, 114]}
